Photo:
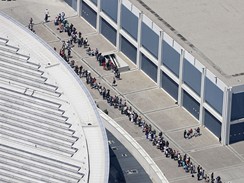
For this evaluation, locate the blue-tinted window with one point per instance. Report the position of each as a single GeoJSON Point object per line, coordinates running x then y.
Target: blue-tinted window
{"type": "Point", "coordinates": [129, 22]}
{"type": "Point", "coordinates": [237, 107]}
{"type": "Point", "coordinates": [89, 14]}
{"type": "Point", "coordinates": [69, 2]}
{"type": "Point", "coordinates": [128, 49]}
{"type": "Point", "coordinates": [94, 1]}
{"type": "Point", "coordinates": [149, 40]}
{"type": "Point", "coordinates": [171, 58]}
{"type": "Point", "coordinates": [170, 86]}
{"type": "Point", "coordinates": [213, 95]}
{"type": "Point", "coordinates": [192, 77]}
{"type": "Point", "coordinates": [191, 104]}
{"type": "Point", "coordinates": [108, 31]}
{"type": "Point", "coordinates": [110, 8]}
{"type": "Point", "coordinates": [212, 123]}
{"type": "Point", "coordinates": [72, 3]}
{"type": "Point", "coordinates": [236, 132]}
{"type": "Point", "coordinates": [149, 67]}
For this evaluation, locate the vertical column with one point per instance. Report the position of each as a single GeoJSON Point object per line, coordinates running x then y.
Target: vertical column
{"type": "Point", "coordinates": [202, 94]}
{"type": "Point", "coordinates": [118, 25]}
{"type": "Point", "coordinates": [138, 55]}
{"type": "Point", "coordinates": [98, 16]}
{"type": "Point", "coordinates": [159, 77]}
{"type": "Point", "coordinates": [78, 8]}
{"type": "Point", "coordinates": [225, 131]}
{"type": "Point", "coordinates": [180, 92]}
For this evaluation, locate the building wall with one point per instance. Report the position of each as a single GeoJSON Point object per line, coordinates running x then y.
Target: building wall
{"type": "Point", "coordinates": [169, 85]}
{"type": "Point", "coordinates": [128, 49]}
{"type": "Point", "coordinates": [110, 8]}
{"type": "Point", "coordinates": [108, 31]}
{"type": "Point", "coordinates": [149, 67]}
{"type": "Point", "coordinates": [192, 77]}
{"type": "Point", "coordinates": [72, 3]}
{"type": "Point", "coordinates": [236, 132]}
{"type": "Point", "coordinates": [203, 93]}
{"type": "Point", "coordinates": [94, 1]}
{"type": "Point", "coordinates": [237, 107]}
{"type": "Point", "coordinates": [213, 96]}
{"type": "Point", "coordinates": [191, 104]}
{"type": "Point", "coordinates": [237, 117]}
{"type": "Point", "coordinates": [89, 14]}
{"type": "Point", "coordinates": [213, 124]}
{"type": "Point", "coordinates": [171, 58]}
{"type": "Point", "coordinates": [149, 40]}
{"type": "Point", "coordinates": [129, 22]}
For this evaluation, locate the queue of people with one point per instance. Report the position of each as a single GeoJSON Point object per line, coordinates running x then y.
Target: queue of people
{"type": "Point", "coordinates": [76, 37]}
{"type": "Point", "coordinates": [117, 102]}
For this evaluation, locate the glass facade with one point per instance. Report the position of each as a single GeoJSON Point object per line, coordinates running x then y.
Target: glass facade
{"type": "Point", "coordinates": [237, 106]}
{"type": "Point", "coordinates": [94, 1]}
{"type": "Point", "coordinates": [149, 67]}
{"type": "Point", "coordinates": [171, 58]}
{"type": "Point", "coordinates": [170, 86]}
{"type": "Point", "coordinates": [236, 132]}
{"type": "Point", "coordinates": [149, 40]}
{"type": "Point", "coordinates": [212, 123]}
{"type": "Point", "coordinates": [110, 8]}
{"type": "Point", "coordinates": [72, 3]}
{"type": "Point", "coordinates": [213, 96]}
{"type": "Point", "coordinates": [108, 31]}
{"type": "Point", "coordinates": [192, 77]}
{"type": "Point", "coordinates": [128, 49]}
{"type": "Point", "coordinates": [129, 22]}
{"type": "Point", "coordinates": [89, 14]}
{"type": "Point", "coordinates": [191, 105]}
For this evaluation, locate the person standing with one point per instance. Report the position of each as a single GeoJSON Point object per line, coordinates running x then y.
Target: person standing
{"type": "Point", "coordinates": [212, 177]}
{"type": "Point", "coordinates": [185, 134]}
{"type": "Point", "coordinates": [46, 15]}
{"type": "Point", "coordinates": [31, 25]}
{"type": "Point", "coordinates": [114, 82]}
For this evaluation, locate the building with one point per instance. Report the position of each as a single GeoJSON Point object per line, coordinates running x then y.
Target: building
{"type": "Point", "coordinates": [50, 130]}
{"type": "Point", "coordinates": [192, 50]}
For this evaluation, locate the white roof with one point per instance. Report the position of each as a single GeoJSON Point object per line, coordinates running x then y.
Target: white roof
{"type": "Point", "coordinates": [45, 111]}
{"type": "Point", "coordinates": [213, 31]}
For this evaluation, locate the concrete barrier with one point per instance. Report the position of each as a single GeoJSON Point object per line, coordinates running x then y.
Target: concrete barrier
{"type": "Point", "coordinates": [134, 148]}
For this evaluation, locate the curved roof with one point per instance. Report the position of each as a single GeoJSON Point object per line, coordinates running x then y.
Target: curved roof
{"type": "Point", "coordinates": [50, 130]}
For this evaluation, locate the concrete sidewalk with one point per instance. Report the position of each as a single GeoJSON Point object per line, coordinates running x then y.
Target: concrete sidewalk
{"type": "Point", "coordinates": [151, 102]}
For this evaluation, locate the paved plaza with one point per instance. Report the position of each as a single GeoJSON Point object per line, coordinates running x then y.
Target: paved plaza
{"type": "Point", "coordinates": [151, 102]}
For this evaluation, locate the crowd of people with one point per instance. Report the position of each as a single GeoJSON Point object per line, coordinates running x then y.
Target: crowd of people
{"type": "Point", "coordinates": [158, 140]}
{"type": "Point", "coordinates": [75, 37]}
{"type": "Point", "coordinates": [188, 134]}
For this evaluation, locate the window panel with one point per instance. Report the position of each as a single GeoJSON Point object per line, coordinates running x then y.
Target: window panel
{"type": "Point", "coordinates": [171, 58]}
{"type": "Point", "coordinates": [149, 40]}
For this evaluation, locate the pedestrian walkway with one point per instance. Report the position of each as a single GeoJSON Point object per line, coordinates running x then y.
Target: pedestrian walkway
{"type": "Point", "coordinates": [151, 102]}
